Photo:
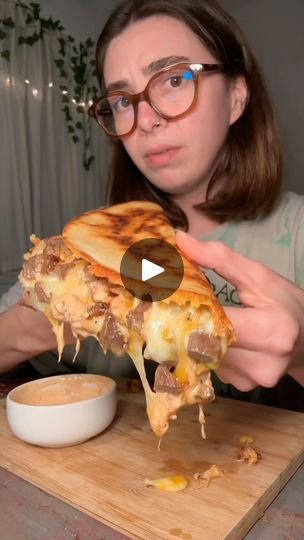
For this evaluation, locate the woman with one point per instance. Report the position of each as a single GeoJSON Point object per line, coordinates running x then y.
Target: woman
{"type": "Point", "coordinates": [192, 128]}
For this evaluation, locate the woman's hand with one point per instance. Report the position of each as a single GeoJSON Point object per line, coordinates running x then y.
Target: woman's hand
{"type": "Point", "coordinates": [24, 333]}
{"type": "Point", "coordinates": [269, 328]}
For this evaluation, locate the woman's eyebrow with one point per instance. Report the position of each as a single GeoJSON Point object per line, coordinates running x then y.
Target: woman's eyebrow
{"type": "Point", "coordinates": [152, 68]}
{"type": "Point", "coordinates": [161, 63]}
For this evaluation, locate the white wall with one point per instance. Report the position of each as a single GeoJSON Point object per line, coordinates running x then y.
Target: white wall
{"type": "Point", "coordinates": [81, 18]}
{"type": "Point", "coordinates": [275, 30]}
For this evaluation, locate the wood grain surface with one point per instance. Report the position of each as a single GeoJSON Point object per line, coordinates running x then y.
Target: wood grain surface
{"type": "Point", "coordinates": [104, 477]}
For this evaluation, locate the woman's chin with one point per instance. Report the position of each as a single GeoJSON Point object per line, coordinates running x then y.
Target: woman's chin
{"type": "Point", "coordinates": [170, 186]}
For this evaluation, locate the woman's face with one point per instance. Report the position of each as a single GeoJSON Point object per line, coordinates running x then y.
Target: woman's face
{"type": "Point", "coordinates": [176, 156]}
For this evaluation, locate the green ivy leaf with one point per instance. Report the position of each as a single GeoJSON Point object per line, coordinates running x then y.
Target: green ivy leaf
{"type": "Point", "coordinates": [59, 63]}
{"type": "Point", "coordinates": [30, 40]}
{"type": "Point", "coordinates": [29, 19]}
{"type": "Point", "coordinates": [8, 22]}
{"type": "Point", "coordinates": [71, 39]}
{"type": "Point", "coordinates": [87, 162]}
{"type": "Point", "coordinates": [65, 98]}
{"type": "Point", "coordinates": [47, 23]}
{"type": "Point", "coordinates": [67, 113]}
{"type": "Point", "coordinates": [79, 74]}
{"type": "Point", "coordinates": [71, 129]}
{"type": "Point", "coordinates": [6, 55]}
{"type": "Point", "coordinates": [56, 25]}
{"type": "Point", "coordinates": [2, 34]}
{"type": "Point", "coordinates": [63, 74]}
{"type": "Point", "coordinates": [36, 10]}
{"type": "Point", "coordinates": [75, 139]}
{"type": "Point", "coordinates": [24, 6]}
{"type": "Point", "coordinates": [89, 42]}
{"type": "Point", "coordinates": [21, 40]}
{"type": "Point", "coordinates": [79, 125]}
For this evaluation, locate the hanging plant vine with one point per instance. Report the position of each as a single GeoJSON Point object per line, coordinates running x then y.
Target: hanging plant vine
{"type": "Point", "coordinates": [79, 70]}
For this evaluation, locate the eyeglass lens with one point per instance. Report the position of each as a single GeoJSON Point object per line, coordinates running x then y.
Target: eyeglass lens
{"type": "Point", "coordinates": [171, 93]}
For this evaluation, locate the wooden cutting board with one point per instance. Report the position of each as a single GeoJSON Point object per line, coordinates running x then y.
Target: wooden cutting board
{"type": "Point", "coordinates": [104, 477]}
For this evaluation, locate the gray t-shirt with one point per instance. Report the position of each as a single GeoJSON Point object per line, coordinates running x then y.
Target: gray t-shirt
{"type": "Point", "coordinates": [276, 241]}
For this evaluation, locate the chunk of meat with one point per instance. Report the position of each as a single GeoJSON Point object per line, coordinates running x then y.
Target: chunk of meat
{"type": "Point", "coordinates": [32, 266]}
{"type": "Point", "coordinates": [136, 318]}
{"type": "Point", "coordinates": [41, 294]}
{"type": "Point", "coordinates": [165, 380]}
{"type": "Point", "coordinates": [49, 263]}
{"type": "Point", "coordinates": [63, 268]}
{"type": "Point", "coordinates": [56, 256]}
{"type": "Point", "coordinates": [203, 348]}
{"type": "Point", "coordinates": [112, 336]}
{"type": "Point", "coordinates": [96, 309]}
{"type": "Point", "coordinates": [56, 246]}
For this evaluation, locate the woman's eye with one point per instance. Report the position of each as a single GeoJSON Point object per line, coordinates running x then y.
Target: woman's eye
{"type": "Point", "coordinates": [124, 102]}
{"type": "Point", "coordinates": [121, 103]}
{"type": "Point", "coordinates": [176, 81]}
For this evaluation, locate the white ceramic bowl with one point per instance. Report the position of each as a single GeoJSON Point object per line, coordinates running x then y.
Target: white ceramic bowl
{"type": "Point", "coordinates": [63, 410]}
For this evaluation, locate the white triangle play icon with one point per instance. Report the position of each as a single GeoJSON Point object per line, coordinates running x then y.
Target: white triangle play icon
{"type": "Point", "coordinates": [150, 270]}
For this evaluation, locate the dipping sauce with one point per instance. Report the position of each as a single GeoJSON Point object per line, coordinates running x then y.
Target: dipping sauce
{"type": "Point", "coordinates": [63, 389]}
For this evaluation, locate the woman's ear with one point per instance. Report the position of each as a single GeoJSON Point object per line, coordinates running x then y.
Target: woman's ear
{"type": "Point", "coordinates": [239, 98]}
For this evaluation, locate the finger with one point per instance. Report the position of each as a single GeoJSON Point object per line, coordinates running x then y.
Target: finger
{"type": "Point", "coordinates": [242, 272]}
{"type": "Point", "coordinates": [263, 369]}
{"type": "Point", "coordinates": [251, 332]}
{"type": "Point", "coordinates": [270, 328]}
{"type": "Point", "coordinates": [240, 381]}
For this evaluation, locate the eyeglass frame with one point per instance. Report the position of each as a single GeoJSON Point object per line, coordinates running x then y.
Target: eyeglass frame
{"type": "Point", "coordinates": [195, 67]}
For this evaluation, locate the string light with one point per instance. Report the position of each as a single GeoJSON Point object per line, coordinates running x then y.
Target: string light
{"type": "Point", "coordinates": [36, 91]}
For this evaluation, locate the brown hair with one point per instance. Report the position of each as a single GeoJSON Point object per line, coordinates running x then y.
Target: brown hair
{"type": "Point", "coordinates": [251, 159]}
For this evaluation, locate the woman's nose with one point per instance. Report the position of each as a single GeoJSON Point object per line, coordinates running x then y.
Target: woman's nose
{"type": "Point", "coordinates": [147, 117]}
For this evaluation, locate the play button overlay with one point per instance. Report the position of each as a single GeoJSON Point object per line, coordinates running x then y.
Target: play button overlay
{"type": "Point", "coordinates": [152, 269]}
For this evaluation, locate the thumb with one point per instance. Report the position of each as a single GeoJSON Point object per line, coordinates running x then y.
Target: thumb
{"type": "Point", "coordinates": [235, 268]}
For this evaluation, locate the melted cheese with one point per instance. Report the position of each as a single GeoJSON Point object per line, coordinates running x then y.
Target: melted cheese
{"type": "Point", "coordinates": [167, 332]}
{"type": "Point", "coordinates": [162, 406]}
{"type": "Point", "coordinates": [165, 336]}
{"type": "Point", "coordinates": [169, 483]}
{"type": "Point", "coordinates": [74, 284]}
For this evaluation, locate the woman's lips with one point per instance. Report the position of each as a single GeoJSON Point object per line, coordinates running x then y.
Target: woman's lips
{"type": "Point", "coordinates": [161, 155]}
